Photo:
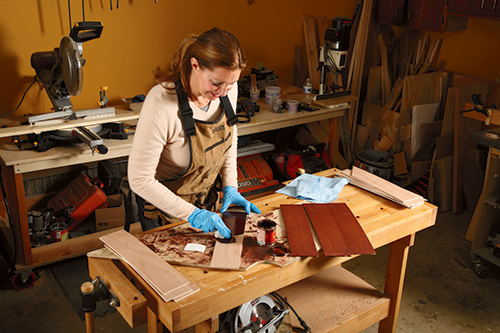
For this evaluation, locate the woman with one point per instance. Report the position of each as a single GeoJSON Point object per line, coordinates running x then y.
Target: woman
{"type": "Point", "coordinates": [186, 136]}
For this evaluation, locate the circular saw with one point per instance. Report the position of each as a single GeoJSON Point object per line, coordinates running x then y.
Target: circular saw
{"type": "Point", "coordinates": [61, 71]}
{"type": "Point", "coordinates": [261, 315]}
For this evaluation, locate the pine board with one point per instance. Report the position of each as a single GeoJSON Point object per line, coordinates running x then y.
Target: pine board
{"type": "Point", "coordinates": [149, 266]}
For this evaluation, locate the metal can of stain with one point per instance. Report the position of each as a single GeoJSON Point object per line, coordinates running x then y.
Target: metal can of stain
{"type": "Point", "coordinates": [266, 232]}
{"type": "Point", "coordinates": [59, 232]}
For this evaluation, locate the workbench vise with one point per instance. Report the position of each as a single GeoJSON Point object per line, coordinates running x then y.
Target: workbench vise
{"type": "Point", "coordinates": [95, 291]}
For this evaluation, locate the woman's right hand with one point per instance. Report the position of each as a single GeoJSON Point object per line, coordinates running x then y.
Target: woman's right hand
{"type": "Point", "coordinates": [208, 222]}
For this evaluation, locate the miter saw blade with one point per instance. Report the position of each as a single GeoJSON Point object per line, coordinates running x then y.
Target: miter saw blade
{"type": "Point", "coordinates": [72, 63]}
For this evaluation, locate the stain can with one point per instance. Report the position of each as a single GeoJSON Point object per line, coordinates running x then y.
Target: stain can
{"type": "Point", "coordinates": [266, 232]}
{"type": "Point", "coordinates": [59, 231]}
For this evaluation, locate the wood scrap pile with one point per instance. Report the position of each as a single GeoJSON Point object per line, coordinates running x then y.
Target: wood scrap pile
{"type": "Point", "coordinates": [163, 278]}
{"type": "Point", "coordinates": [382, 187]}
{"type": "Point", "coordinates": [414, 111]}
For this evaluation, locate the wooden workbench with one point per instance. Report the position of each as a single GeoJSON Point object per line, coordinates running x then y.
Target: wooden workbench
{"type": "Point", "coordinates": [385, 222]}
{"type": "Point", "coordinates": [16, 163]}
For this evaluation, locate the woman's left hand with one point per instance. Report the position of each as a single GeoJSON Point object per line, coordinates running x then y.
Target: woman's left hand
{"type": "Point", "coordinates": [232, 196]}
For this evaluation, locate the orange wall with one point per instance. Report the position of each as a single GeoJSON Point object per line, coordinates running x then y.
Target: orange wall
{"type": "Point", "coordinates": [141, 35]}
{"type": "Point", "coordinates": [472, 52]}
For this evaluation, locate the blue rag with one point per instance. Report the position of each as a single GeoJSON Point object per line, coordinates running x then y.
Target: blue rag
{"type": "Point", "coordinates": [314, 188]}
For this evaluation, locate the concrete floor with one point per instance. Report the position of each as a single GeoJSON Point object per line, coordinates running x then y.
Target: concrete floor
{"type": "Point", "coordinates": [442, 293]}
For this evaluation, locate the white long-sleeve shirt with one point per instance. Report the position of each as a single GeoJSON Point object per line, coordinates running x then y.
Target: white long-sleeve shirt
{"type": "Point", "coordinates": [160, 150]}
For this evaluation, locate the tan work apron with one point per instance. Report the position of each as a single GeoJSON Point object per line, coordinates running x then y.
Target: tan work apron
{"type": "Point", "coordinates": [209, 144]}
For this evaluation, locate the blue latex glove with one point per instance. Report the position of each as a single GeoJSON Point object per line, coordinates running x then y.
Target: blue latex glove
{"type": "Point", "coordinates": [208, 222]}
{"type": "Point", "coordinates": [232, 196]}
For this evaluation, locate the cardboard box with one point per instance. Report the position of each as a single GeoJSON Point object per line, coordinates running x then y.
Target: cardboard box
{"type": "Point", "coordinates": [111, 214]}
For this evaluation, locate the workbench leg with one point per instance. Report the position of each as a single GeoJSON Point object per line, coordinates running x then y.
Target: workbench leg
{"type": "Point", "coordinates": [16, 199]}
{"type": "Point", "coordinates": [89, 322]}
{"type": "Point", "coordinates": [154, 325]}
{"type": "Point", "coordinates": [396, 269]}
{"type": "Point", "coordinates": [208, 326]}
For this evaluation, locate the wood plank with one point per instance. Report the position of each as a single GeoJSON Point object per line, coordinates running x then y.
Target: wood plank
{"type": "Point", "coordinates": [382, 187]}
{"type": "Point", "coordinates": [374, 85]}
{"type": "Point", "coordinates": [228, 255]}
{"type": "Point", "coordinates": [328, 232]}
{"type": "Point", "coordinates": [311, 50]}
{"type": "Point", "coordinates": [298, 231]}
{"type": "Point", "coordinates": [395, 95]}
{"type": "Point", "coordinates": [384, 119]}
{"type": "Point", "coordinates": [421, 114]}
{"type": "Point", "coordinates": [352, 232]}
{"type": "Point", "coordinates": [342, 301]}
{"type": "Point", "coordinates": [145, 262]}
{"type": "Point", "coordinates": [400, 167]}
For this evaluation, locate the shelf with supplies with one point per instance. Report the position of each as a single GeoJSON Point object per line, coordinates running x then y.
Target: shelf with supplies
{"type": "Point", "coordinates": [16, 164]}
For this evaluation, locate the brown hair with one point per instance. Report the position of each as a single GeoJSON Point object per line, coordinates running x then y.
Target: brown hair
{"type": "Point", "coordinates": [214, 48]}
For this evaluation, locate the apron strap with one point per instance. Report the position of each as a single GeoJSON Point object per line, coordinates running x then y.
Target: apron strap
{"type": "Point", "coordinates": [186, 113]}
{"type": "Point", "coordinates": [228, 108]}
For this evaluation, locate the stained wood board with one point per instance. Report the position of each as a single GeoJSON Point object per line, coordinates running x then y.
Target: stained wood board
{"type": "Point", "coordinates": [150, 267]}
{"type": "Point", "coordinates": [298, 231]}
{"type": "Point", "coordinates": [228, 255]}
{"type": "Point", "coordinates": [338, 230]}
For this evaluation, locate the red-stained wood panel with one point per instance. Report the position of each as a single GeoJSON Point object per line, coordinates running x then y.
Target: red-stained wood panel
{"type": "Point", "coordinates": [338, 230]}
{"type": "Point", "coordinates": [298, 231]}
{"type": "Point", "coordinates": [354, 235]}
{"type": "Point", "coordinates": [330, 237]}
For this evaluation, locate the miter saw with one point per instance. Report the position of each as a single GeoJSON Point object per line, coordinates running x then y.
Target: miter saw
{"type": "Point", "coordinates": [60, 72]}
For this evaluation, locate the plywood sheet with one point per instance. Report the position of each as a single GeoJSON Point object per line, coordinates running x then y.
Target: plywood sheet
{"type": "Point", "coordinates": [298, 231]}
{"type": "Point", "coordinates": [384, 119]}
{"type": "Point", "coordinates": [421, 114]}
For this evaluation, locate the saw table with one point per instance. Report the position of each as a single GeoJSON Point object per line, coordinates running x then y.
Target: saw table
{"type": "Point", "coordinates": [348, 303]}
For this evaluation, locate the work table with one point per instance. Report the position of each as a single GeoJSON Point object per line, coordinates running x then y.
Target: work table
{"type": "Point", "coordinates": [384, 222]}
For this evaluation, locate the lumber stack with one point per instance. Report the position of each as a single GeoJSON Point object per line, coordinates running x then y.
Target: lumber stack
{"type": "Point", "coordinates": [163, 278]}
{"type": "Point", "coordinates": [382, 187]}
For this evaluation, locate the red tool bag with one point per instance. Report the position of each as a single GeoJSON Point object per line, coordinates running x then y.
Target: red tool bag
{"type": "Point", "coordinates": [313, 158]}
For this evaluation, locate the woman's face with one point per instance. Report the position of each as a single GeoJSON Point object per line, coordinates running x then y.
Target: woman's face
{"type": "Point", "coordinates": [211, 84]}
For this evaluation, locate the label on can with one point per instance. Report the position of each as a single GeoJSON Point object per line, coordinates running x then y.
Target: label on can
{"type": "Point", "coordinates": [266, 232]}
